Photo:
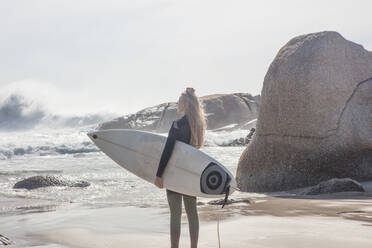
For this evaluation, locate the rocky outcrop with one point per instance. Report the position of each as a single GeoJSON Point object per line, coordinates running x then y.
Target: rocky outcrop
{"type": "Point", "coordinates": [333, 186]}
{"type": "Point", "coordinates": [241, 141]}
{"type": "Point", "coordinates": [221, 110]}
{"type": "Point", "coordinates": [238, 142]}
{"type": "Point", "coordinates": [315, 117]}
{"type": "Point", "coordinates": [46, 181]}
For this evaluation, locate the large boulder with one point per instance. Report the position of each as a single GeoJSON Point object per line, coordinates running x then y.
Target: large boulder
{"type": "Point", "coordinates": [47, 181]}
{"type": "Point", "coordinates": [221, 110]}
{"type": "Point", "coordinates": [334, 185]}
{"type": "Point", "coordinates": [315, 118]}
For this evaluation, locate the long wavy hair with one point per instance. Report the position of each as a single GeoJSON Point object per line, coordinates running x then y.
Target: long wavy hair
{"type": "Point", "coordinates": [195, 115]}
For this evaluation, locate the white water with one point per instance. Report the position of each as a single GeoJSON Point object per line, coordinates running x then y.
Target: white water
{"type": "Point", "coordinates": [69, 153]}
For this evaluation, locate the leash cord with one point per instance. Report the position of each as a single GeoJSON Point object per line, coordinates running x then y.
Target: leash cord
{"type": "Point", "coordinates": [219, 214]}
{"type": "Point", "coordinates": [218, 230]}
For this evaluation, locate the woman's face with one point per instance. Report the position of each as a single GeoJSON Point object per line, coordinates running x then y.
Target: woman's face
{"type": "Point", "coordinates": [181, 107]}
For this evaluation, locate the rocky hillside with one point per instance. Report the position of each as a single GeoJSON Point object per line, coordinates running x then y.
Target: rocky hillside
{"type": "Point", "coordinates": [228, 111]}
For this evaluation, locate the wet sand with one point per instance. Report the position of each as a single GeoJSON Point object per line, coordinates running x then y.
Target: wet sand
{"type": "Point", "coordinates": [279, 220]}
{"type": "Point", "coordinates": [255, 231]}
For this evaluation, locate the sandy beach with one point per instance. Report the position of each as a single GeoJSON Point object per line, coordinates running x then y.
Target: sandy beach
{"type": "Point", "coordinates": [277, 220]}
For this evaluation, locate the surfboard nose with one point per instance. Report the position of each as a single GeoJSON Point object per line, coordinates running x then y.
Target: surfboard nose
{"type": "Point", "coordinates": [92, 135]}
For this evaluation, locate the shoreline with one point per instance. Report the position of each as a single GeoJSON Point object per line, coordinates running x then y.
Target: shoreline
{"type": "Point", "coordinates": [336, 220]}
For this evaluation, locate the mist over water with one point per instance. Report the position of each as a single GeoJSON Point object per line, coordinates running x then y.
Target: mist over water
{"type": "Point", "coordinates": [28, 127]}
{"type": "Point", "coordinates": [19, 113]}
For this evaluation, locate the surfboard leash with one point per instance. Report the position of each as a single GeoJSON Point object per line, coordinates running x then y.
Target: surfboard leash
{"type": "Point", "coordinates": [226, 196]}
{"type": "Point", "coordinates": [218, 229]}
{"type": "Point", "coordinates": [219, 214]}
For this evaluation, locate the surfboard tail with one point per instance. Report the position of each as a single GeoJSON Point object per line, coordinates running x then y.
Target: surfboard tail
{"type": "Point", "coordinates": [215, 180]}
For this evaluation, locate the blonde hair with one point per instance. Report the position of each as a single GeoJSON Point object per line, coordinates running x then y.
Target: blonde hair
{"type": "Point", "coordinates": [195, 115]}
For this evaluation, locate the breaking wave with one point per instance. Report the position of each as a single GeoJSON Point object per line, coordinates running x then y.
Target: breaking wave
{"type": "Point", "coordinates": [84, 147]}
{"type": "Point", "coordinates": [19, 113]}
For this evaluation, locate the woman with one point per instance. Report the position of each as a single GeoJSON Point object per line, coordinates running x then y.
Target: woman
{"type": "Point", "coordinates": [190, 129]}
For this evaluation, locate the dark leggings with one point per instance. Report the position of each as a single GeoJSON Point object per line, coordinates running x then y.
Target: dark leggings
{"type": "Point", "coordinates": [175, 206]}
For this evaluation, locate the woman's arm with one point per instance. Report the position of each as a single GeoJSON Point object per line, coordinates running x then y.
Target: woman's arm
{"type": "Point", "coordinates": [168, 148]}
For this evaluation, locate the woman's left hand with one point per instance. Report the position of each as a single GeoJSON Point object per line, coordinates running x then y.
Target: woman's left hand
{"type": "Point", "coordinates": [159, 182]}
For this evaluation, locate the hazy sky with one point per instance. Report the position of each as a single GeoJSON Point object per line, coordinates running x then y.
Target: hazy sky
{"type": "Point", "coordinates": [76, 56]}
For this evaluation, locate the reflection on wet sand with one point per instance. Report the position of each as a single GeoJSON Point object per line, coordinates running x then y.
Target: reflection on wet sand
{"type": "Point", "coordinates": [349, 205]}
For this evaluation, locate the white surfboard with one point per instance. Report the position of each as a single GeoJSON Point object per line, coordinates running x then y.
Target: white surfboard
{"type": "Point", "coordinates": [189, 171]}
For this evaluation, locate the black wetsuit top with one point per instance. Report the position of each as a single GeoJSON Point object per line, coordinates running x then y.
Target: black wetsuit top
{"type": "Point", "coordinates": [180, 130]}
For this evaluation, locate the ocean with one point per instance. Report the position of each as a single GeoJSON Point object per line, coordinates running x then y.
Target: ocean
{"type": "Point", "coordinates": [68, 153]}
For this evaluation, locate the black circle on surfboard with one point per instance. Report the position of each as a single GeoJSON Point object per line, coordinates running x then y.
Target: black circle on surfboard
{"type": "Point", "coordinates": [213, 180]}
